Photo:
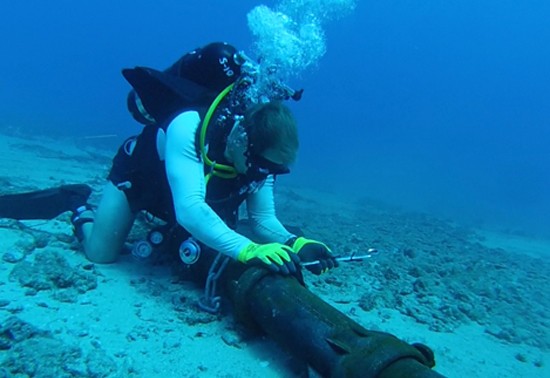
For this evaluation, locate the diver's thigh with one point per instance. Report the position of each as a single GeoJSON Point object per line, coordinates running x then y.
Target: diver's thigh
{"type": "Point", "coordinates": [112, 222]}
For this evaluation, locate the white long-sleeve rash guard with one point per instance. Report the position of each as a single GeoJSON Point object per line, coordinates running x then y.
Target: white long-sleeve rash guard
{"type": "Point", "coordinates": [185, 173]}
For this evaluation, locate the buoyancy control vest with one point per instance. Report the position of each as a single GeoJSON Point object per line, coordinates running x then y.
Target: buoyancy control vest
{"type": "Point", "coordinates": [193, 83]}
{"type": "Point", "coordinates": [225, 193]}
{"type": "Point", "coordinates": [196, 82]}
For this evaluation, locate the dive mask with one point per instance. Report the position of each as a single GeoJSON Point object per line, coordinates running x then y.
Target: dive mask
{"type": "Point", "coordinates": [259, 167]}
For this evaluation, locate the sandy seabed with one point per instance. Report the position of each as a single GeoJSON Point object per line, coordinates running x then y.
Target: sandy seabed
{"type": "Point", "coordinates": [479, 299]}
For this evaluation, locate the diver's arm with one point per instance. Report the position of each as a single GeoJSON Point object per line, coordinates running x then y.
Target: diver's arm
{"type": "Point", "coordinates": [261, 212]}
{"type": "Point", "coordinates": [185, 174]}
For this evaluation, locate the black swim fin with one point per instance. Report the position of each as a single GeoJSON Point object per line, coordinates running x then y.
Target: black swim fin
{"type": "Point", "coordinates": [44, 204]}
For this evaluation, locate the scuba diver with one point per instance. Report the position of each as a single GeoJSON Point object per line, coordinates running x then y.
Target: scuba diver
{"type": "Point", "coordinates": [216, 135]}
{"type": "Point", "coordinates": [211, 141]}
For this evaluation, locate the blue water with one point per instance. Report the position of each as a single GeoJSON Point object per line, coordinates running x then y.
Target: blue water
{"type": "Point", "coordinates": [441, 106]}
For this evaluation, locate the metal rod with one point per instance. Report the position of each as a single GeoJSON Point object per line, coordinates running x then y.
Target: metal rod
{"type": "Point", "coordinates": [351, 258]}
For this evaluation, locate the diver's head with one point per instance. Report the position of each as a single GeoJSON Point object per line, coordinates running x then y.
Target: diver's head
{"type": "Point", "coordinates": [264, 141]}
{"type": "Point", "coordinates": [217, 66]}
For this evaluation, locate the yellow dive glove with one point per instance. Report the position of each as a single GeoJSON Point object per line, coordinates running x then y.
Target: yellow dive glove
{"type": "Point", "coordinates": [277, 257]}
{"type": "Point", "coordinates": [309, 250]}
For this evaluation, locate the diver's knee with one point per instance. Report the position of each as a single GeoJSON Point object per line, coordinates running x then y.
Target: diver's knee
{"type": "Point", "coordinates": [100, 251]}
{"type": "Point", "coordinates": [99, 255]}
{"type": "Point", "coordinates": [105, 237]}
